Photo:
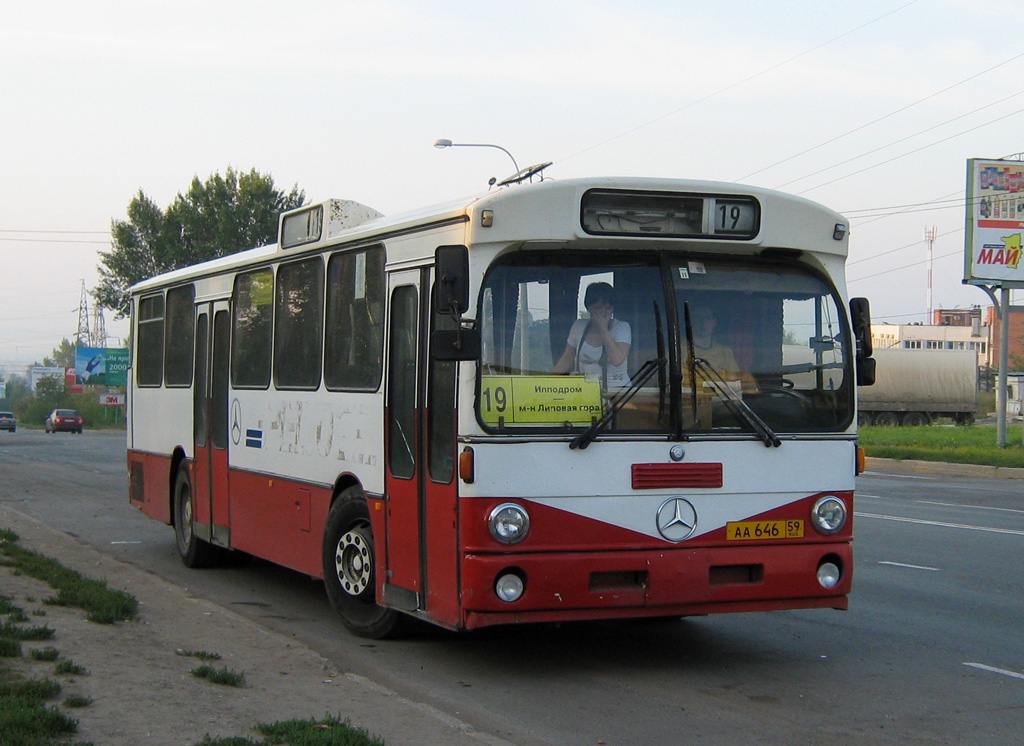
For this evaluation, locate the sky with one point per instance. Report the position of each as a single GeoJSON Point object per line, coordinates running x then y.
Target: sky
{"type": "Point", "coordinates": [871, 108]}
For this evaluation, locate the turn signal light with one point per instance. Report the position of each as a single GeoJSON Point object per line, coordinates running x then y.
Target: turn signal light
{"type": "Point", "coordinates": [467, 468]}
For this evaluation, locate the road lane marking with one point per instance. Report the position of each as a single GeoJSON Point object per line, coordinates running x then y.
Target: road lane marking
{"type": "Point", "coordinates": [894, 476]}
{"type": "Point", "coordinates": [912, 567]}
{"type": "Point", "coordinates": [993, 669]}
{"type": "Point", "coordinates": [975, 507]}
{"type": "Point", "coordinates": [940, 523]}
{"type": "Point", "coordinates": [873, 497]}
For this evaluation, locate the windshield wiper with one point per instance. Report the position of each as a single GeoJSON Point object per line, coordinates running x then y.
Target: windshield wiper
{"type": "Point", "coordinates": [735, 404]}
{"type": "Point", "coordinates": [647, 370]}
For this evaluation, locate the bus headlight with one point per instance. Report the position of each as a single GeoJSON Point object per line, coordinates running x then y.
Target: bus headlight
{"type": "Point", "coordinates": [509, 587]}
{"type": "Point", "coordinates": [828, 515]}
{"type": "Point", "coordinates": [508, 523]}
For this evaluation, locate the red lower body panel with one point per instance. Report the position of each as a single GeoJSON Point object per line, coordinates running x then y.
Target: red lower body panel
{"type": "Point", "coordinates": [664, 582]}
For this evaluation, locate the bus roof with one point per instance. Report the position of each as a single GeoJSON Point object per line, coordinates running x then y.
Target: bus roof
{"type": "Point", "coordinates": [552, 205]}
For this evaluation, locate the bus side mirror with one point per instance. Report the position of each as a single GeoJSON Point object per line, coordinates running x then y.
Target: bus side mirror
{"type": "Point", "coordinates": [451, 288]}
{"type": "Point", "coordinates": [451, 298]}
{"type": "Point", "coordinates": [860, 318]}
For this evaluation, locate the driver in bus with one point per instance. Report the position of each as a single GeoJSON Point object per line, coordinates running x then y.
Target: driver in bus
{"type": "Point", "coordinates": [598, 347]}
{"type": "Point", "coordinates": [703, 323]}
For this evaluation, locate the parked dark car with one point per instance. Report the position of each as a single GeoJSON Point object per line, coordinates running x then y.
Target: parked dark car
{"type": "Point", "coordinates": [67, 420]}
{"type": "Point", "coordinates": [8, 422]}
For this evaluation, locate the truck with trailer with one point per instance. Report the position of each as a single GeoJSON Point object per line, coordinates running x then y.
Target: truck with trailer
{"type": "Point", "coordinates": [918, 387]}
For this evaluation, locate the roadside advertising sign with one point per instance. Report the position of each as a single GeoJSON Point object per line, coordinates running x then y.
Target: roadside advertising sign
{"type": "Point", "coordinates": [995, 222]}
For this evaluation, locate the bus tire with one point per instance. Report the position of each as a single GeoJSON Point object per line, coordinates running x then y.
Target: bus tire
{"type": "Point", "coordinates": [349, 569]}
{"type": "Point", "coordinates": [194, 552]}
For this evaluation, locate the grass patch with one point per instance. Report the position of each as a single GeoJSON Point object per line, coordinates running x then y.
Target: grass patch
{"type": "Point", "coordinates": [200, 654]}
{"type": "Point", "coordinates": [9, 648]}
{"type": "Point", "coordinates": [325, 731]}
{"type": "Point", "coordinates": [223, 676]}
{"type": "Point", "coordinates": [25, 718]}
{"type": "Point", "coordinates": [101, 604]}
{"type": "Point", "coordinates": [14, 632]}
{"type": "Point", "coordinates": [70, 667]}
{"type": "Point", "coordinates": [46, 655]}
{"type": "Point", "coordinates": [77, 701]}
{"type": "Point", "coordinates": [958, 445]}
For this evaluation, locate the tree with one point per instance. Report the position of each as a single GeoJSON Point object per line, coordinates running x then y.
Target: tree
{"type": "Point", "coordinates": [220, 216]}
{"type": "Point", "coordinates": [63, 355]}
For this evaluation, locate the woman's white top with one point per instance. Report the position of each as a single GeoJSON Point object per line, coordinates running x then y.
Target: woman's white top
{"type": "Point", "coordinates": [588, 356]}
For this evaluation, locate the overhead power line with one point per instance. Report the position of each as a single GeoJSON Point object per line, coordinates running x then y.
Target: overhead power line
{"type": "Point", "coordinates": [882, 118]}
{"type": "Point", "coordinates": [738, 83]}
{"type": "Point", "coordinates": [902, 139]}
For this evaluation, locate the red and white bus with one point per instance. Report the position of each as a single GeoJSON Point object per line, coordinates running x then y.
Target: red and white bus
{"type": "Point", "coordinates": [418, 409]}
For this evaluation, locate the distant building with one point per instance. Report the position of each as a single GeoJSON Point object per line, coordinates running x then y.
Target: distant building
{"type": "Point", "coordinates": [973, 329]}
{"type": "Point", "coordinates": [950, 336]}
{"type": "Point", "coordinates": [1015, 337]}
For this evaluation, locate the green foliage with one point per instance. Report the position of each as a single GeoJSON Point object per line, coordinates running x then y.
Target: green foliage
{"type": "Point", "coordinates": [102, 605]}
{"type": "Point", "coordinates": [70, 667]}
{"type": "Point", "coordinates": [63, 355]}
{"type": "Point", "coordinates": [46, 655]}
{"type": "Point", "coordinates": [959, 445]}
{"type": "Point", "coordinates": [223, 676]}
{"type": "Point", "coordinates": [220, 216]}
{"type": "Point", "coordinates": [200, 654]}
{"type": "Point", "coordinates": [326, 731]}
{"type": "Point", "coordinates": [11, 631]}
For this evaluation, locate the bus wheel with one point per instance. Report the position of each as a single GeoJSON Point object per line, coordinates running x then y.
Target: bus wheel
{"type": "Point", "coordinates": [194, 551]}
{"type": "Point", "coordinates": [349, 572]}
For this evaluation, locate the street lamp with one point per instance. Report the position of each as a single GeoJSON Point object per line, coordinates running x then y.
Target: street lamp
{"type": "Point", "coordinates": [442, 144]}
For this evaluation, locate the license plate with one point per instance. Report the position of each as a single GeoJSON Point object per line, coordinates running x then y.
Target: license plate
{"type": "Point", "coordinates": [763, 530]}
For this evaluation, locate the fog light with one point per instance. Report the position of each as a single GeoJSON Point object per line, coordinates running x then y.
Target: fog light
{"type": "Point", "coordinates": [828, 574]}
{"type": "Point", "coordinates": [508, 523]}
{"type": "Point", "coordinates": [828, 515]}
{"type": "Point", "coordinates": [509, 587]}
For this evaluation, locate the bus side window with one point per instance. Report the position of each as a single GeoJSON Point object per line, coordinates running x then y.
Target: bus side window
{"type": "Point", "coordinates": [354, 341]}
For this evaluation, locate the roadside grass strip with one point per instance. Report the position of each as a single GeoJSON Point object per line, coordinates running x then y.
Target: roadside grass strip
{"type": "Point", "coordinates": [101, 604]}
{"type": "Point", "coordinates": [975, 444]}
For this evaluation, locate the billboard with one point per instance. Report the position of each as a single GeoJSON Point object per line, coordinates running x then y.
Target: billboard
{"type": "Point", "coordinates": [101, 366]}
{"type": "Point", "coordinates": [995, 222]}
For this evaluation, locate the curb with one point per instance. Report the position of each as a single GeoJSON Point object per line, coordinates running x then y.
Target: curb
{"type": "Point", "coordinates": [941, 468]}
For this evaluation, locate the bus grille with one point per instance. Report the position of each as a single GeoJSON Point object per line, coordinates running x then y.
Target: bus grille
{"type": "Point", "coordinates": [655, 476]}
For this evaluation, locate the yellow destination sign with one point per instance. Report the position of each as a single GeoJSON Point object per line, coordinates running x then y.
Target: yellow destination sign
{"type": "Point", "coordinates": [533, 400]}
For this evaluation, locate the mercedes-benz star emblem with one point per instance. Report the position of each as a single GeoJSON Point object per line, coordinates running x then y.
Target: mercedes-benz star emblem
{"type": "Point", "coordinates": [677, 519]}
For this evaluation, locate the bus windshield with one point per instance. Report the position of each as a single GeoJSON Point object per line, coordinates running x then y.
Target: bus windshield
{"type": "Point", "coordinates": [564, 334]}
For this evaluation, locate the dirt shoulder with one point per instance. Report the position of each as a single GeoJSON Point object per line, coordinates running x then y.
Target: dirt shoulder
{"type": "Point", "coordinates": [142, 690]}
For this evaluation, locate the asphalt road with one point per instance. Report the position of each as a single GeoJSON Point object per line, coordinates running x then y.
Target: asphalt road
{"type": "Point", "coordinates": [931, 651]}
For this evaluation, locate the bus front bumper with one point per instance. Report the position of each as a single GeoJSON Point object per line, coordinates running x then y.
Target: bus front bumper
{"type": "Point", "coordinates": [664, 582]}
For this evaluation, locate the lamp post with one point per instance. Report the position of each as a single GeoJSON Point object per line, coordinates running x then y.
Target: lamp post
{"type": "Point", "coordinates": [443, 143]}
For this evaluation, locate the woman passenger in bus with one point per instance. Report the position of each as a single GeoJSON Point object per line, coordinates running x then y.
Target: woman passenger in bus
{"type": "Point", "coordinates": [598, 347]}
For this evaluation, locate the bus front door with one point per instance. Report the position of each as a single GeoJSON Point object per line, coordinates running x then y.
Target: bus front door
{"type": "Point", "coordinates": [421, 544]}
{"type": "Point", "coordinates": [210, 429]}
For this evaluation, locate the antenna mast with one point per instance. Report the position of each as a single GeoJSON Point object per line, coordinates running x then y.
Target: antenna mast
{"type": "Point", "coordinates": [929, 239]}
